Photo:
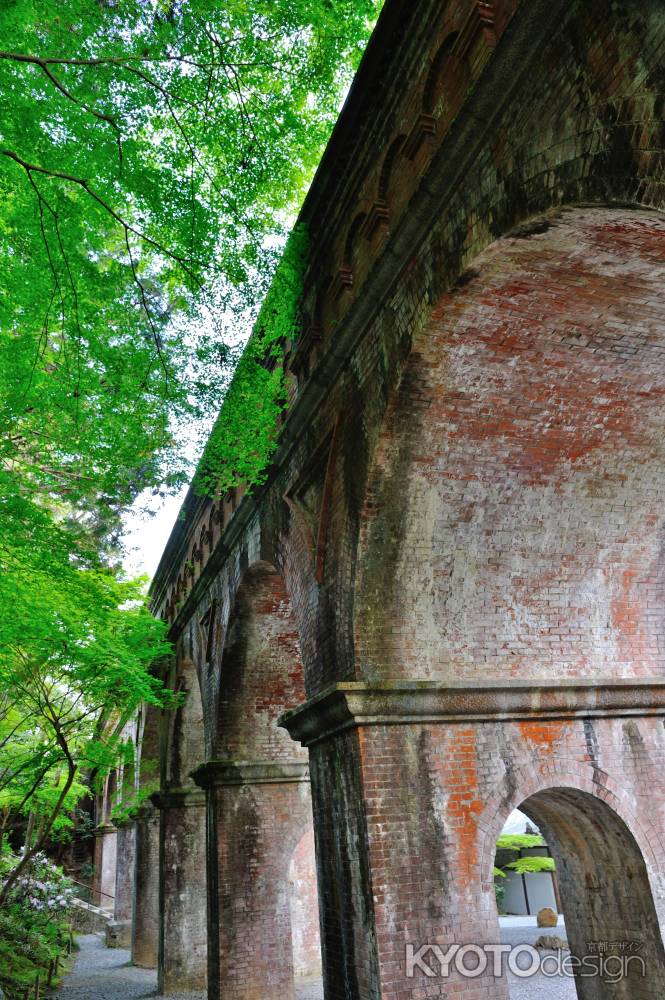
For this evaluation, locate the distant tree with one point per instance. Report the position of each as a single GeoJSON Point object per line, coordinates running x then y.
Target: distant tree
{"type": "Point", "coordinates": [75, 664]}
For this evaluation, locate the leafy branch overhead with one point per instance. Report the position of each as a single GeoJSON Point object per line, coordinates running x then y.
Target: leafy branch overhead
{"type": "Point", "coordinates": [152, 156]}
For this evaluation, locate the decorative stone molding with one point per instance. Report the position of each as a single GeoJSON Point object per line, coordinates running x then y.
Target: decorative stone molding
{"type": "Point", "coordinates": [375, 225]}
{"type": "Point", "coordinates": [222, 773]}
{"type": "Point", "coordinates": [178, 798]}
{"type": "Point", "coordinates": [477, 38]}
{"type": "Point", "coordinates": [420, 142]}
{"type": "Point", "coordinates": [341, 283]}
{"type": "Point", "coordinates": [103, 829]}
{"type": "Point", "coordinates": [348, 705]}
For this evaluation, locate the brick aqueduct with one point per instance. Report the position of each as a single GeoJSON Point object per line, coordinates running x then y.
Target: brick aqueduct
{"type": "Point", "coordinates": [448, 600]}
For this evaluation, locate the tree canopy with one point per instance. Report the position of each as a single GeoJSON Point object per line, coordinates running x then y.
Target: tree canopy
{"type": "Point", "coordinates": [152, 154]}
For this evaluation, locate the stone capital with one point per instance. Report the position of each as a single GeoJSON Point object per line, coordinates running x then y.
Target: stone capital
{"type": "Point", "coordinates": [146, 812]}
{"type": "Point", "coordinates": [352, 704]}
{"type": "Point", "coordinates": [222, 773]}
{"type": "Point", "coordinates": [178, 798]}
{"type": "Point", "coordinates": [103, 829]}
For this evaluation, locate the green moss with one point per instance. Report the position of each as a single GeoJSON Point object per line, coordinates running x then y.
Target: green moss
{"type": "Point", "coordinates": [245, 433]}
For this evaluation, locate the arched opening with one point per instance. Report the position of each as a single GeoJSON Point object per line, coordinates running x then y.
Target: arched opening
{"type": "Point", "coordinates": [106, 846]}
{"type": "Point", "coordinates": [262, 803]}
{"type": "Point", "coordinates": [525, 872]}
{"type": "Point", "coordinates": [447, 76]}
{"type": "Point", "coordinates": [606, 943]}
{"type": "Point", "coordinates": [119, 934]}
{"type": "Point", "coordinates": [388, 167]}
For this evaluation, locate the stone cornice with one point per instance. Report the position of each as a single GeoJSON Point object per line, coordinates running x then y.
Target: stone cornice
{"type": "Point", "coordinates": [222, 773]}
{"type": "Point", "coordinates": [348, 705]}
{"type": "Point", "coordinates": [178, 798]}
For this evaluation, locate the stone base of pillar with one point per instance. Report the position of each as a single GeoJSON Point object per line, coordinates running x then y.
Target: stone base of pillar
{"type": "Point", "coordinates": [119, 934]}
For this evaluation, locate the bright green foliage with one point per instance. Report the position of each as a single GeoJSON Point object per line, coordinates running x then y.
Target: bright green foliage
{"type": "Point", "coordinates": [520, 841]}
{"type": "Point", "coordinates": [534, 863]}
{"type": "Point", "coordinates": [76, 646]}
{"type": "Point", "coordinates": [244, 435]}
{"type": "Point", "coordinates": [148, 151]}
{"type": "Point", "coordinates": [151, 155]}
{"type": "Point", "coordinates": [34, 924]}
{"type": "Point", "coordinates": [515, 843]}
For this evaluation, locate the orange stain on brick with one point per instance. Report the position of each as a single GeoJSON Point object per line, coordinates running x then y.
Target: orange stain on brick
{"type": "Point", "coordinates": [464, 802]}
{"type": "Point", "coordinates": [628, 620]}
{"type": "Point", "coordinates": [544, 735]}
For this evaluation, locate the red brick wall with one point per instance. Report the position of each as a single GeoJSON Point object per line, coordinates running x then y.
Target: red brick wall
{"type": "Point", "coordinates": [304, 899]}
{"type": "Point", "coordinates": [183, 916]}
{"type": "Point", "coordinates": [524, 462]}
{"type": "Point", "coordinates": [437, 798]}
{"type": "Point", "coordinates": [262, 671]}
{"type": "Point", "coordinates": [259, 827]}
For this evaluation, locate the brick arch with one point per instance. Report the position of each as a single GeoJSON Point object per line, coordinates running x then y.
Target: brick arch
{"type": "Point", "coordinates": [601, 854]}
{"type": "Point", "coordinates": [529, 413]}
{"type": "Point", "coordinates": [387, 171]}
{"type": "Point", "coordinates": [530, 784]}
{"type": "Point", "coordinates": [352, 241]}
{"type": "Point", "coordinates": [186, 741]}
{"type": "Point", "coordinates": [261, 673]}
{"type": "Point", "coordinates": [262, 801]}
{"type": "Point", "coordinates": [446, 72]}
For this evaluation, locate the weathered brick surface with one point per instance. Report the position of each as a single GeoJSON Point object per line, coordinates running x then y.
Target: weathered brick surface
{"type": "Point", "coordinates": [145, 922]}
{"type": "Point", "coordinates": [468, 487]}
{"type": "Point", "coordinates": [183, 955]}
{"type": "Point", "coordinates": [263, 924]}
{"type": "Point", "coordinates": [262, 670]}
{"type": "Point", "coordinates": [514, 517]}
{"type": "Point", "coordinates": [260, 827]}
{"type": "Point", "coordinates": [436, 800]}
{"type": "Point", "coordinates": [304, 906]}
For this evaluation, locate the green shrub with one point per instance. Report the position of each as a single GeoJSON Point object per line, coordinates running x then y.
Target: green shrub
{"type": "Point", "coordinates": [34, 923]}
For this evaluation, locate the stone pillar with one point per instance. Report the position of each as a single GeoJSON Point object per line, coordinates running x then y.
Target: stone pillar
{"type": "Point", "coordinates": [182, 892]}
{"type": "Point", "coordinates": [119, 931]}
{"type": "Point", "coordinates": [257, 814]}
{"type": "Point", "coordinates": [105, 866]}
{"type": "Point", "coordinates": [145, 923]}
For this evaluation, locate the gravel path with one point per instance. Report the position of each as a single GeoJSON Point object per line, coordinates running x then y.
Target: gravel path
{"type": "Point", "coordinates": [538, 987]}
{"type": "Point", "coordinates": [102, 973]}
